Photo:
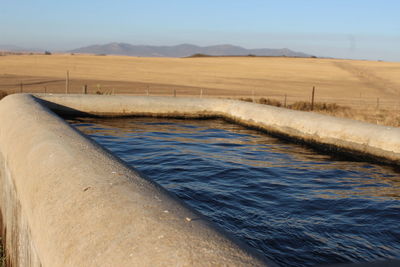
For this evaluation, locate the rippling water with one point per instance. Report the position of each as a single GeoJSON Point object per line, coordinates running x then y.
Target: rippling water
{"type": "Point", "coordinates": [296, 206]}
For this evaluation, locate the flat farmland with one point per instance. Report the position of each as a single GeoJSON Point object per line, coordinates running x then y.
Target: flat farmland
{"type": "Point", "coordinates": [365, 86]}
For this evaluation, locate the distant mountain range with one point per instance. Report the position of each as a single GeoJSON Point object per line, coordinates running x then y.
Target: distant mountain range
{"type": "Point", "coordinates": [183, 50]}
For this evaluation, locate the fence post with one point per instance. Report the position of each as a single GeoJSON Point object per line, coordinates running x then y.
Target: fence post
{"type": "Point", "coordinates": [147, 90]}
{"type": "Point", "coordinates": [284, 101]}
{"type": "Point", "coordinates": [67, 82]}
{"type": "Point", "coordinates": [377, 103]}
{"type": "Point", "coordinates": [21, 88]}
{"type": "Point", "coordinates": [201, 93]}
{"type": "Point", "coordinates": [312, 98]}
{"type": "Point", "coordinates": [45, 89]}
{"type": "Point", "coordinates": [84, 89]}
{"type": "Point", "coordinates": [174, 92]}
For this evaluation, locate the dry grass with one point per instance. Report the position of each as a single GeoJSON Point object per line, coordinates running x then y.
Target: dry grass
{"type": "Point", "coordinates": [371, 115]}
{"type": "Point", "coordinates": [268, 101]}
{"type": "Point", "coordinates": [3, 94]}
{"type": "Point", "coordinates": [318, 107]}
{"type": "Point", "coordinates": [348, 83]}
{"type": "Point", "coordinates": [2, 254]}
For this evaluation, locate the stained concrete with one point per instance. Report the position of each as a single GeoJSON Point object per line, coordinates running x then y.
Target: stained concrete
{"type": "Point", "coordinates": [65, 201]}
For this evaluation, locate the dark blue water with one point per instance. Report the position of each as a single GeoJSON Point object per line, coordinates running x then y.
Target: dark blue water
{"type": "Point", "coordinates": [296, 206]}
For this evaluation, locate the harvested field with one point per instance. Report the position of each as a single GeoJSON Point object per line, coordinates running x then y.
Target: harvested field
{"type": "Point", "coordinates": [370, 89]}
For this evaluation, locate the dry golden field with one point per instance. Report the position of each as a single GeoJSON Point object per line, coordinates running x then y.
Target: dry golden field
{"type": "Point", "coordinates": [370, 88]}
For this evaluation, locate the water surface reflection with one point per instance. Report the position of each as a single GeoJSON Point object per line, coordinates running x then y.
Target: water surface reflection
{"type": "Point", "coordinates": [298, 207]}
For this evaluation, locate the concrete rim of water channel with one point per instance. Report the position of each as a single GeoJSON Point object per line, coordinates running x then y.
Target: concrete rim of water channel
{"type": "Point", "coordinates": [337, 135]}
{"type": "Point", "coordinates": [67, 201]}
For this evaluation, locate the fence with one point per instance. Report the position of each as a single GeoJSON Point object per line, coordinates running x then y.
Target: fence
{"type": "Point", "coordinates": [109, 87]}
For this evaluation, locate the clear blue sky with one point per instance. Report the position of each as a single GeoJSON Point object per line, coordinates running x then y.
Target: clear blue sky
{"type": "Point", "coordinates": [367, 29]}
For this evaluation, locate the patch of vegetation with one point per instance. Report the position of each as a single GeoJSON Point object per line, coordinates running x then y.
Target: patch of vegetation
{"type": "Point", "coordinates": [3, 94]}
{"type": "Point", "coordinates": [264, 101]}
{"type": "Point", "coordinates": [246, 99]}
{"type": "Point", "coordinates": [301, 105]}
{"type": "Point", "coordinates": [2, 254]}
{"type": "Point", "coordinates": [104, 92]}
{"type": "Point", "coordinates": [199, 55]}
{"type": "Point", "coordinates": [371, 115]}
{"type": "Point", "coordinates": [268, 101]}
{"type": "Point", "coordinates": [318, 106]}
{"type": "Point", "coordinates": [48, 53]}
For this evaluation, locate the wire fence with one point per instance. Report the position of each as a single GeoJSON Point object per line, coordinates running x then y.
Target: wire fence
{"type": "Point", "coordinates": [142, 89]}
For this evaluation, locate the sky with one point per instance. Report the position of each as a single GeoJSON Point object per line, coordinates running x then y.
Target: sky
{"type": "Point", "coordinates": [359, 29]}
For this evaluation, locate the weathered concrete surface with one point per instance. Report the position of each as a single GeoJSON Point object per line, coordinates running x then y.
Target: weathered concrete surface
{"type": "Point", "coordinates": [65, 201]}
{"type": "Point", "coordinates": [366, 139]}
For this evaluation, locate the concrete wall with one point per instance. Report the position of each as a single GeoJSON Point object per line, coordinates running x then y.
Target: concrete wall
{"type": "Point", "coordinates": [364, 139]}
{"type": "Point", "coordinates": [65, 201]}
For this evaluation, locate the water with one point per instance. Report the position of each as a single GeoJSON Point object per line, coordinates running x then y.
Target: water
{"type": "Point", "coordinates": [298, 207]}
